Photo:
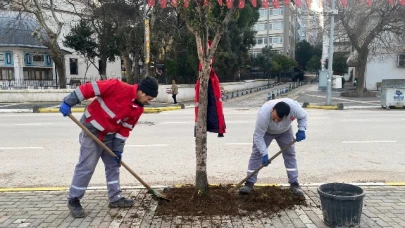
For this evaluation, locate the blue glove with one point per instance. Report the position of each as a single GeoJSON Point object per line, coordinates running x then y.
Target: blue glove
{"type": "Point", "coordinates": [265, 160]}
{"type": "Point", "coordinates": [300, 135]}
{"type": "Point", "coordinates": [65, 109]}
{"type": "Point", "coordinates": [118, 158]}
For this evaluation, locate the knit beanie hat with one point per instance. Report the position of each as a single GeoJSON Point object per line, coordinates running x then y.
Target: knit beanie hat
{"type": "Point", "coordinates": [149, 86]}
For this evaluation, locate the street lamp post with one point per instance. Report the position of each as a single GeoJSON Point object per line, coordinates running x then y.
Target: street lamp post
{"type": "Point", "coordinates": [146, 38]}
{"type": "Point", "coordinates": [330, 58]}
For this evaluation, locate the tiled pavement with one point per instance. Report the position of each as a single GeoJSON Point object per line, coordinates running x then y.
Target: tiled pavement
{"type": "Point", "coordinates": [384, 206]}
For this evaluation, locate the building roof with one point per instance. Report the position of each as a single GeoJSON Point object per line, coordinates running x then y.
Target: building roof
{"type": "Point", "coordinates": [16, 30]}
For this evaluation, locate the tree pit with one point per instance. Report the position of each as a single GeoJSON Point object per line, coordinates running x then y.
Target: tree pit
{"type": "Point", "coordinates": [268, 200]}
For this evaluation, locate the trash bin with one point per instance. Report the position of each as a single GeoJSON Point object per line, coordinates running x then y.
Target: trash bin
{"type": "Point", "coordinates": [342, 204]}
{"type": "Point", "coordinates": [392, 93]}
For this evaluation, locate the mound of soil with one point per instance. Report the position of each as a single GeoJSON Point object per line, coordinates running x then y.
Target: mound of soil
{"type": "Point", "coordinates": [185, 201]}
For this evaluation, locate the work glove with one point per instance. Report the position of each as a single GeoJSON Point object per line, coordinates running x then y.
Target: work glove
{"type": "Point", "coordinates": [65, 109]}
{"type": "Point", "coordinates": [300, 135]}
{"type": "Point", "coordinates": [118, 158]}
{"type": "Point", "coordinates": [265, 160]}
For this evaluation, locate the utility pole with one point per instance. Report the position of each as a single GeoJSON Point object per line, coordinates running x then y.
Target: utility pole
{"type": "Point", "coordinates": [146, 39]}
{"type": "Point", "coordinates": [331, 50]}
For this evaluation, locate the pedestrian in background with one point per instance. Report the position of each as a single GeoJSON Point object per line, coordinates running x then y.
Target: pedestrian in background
{"type": "Point", "coordinates": [274, 122]}
{"type": "Point", "coordinates": [110, 117]}
{"type": "Point", "coordinates": [175, 91]}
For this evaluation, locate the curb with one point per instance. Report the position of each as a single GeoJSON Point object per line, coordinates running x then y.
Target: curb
{"type": "Point", "coordinates": [74, 110]}
{"type": "Point", "coordinates": [338, 106]}
{"type": "Point", "coordinates": [34, 189]}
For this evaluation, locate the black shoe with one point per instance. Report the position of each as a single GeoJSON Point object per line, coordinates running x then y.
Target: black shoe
{"type": "Point", "coordinates": [246, 189]}
{"type": "Point", "coordinates": [76, 209]}
{"type": "Point", "coordinates": [296, 189]}
{"type": "Point", "coordinates": [122, 203]}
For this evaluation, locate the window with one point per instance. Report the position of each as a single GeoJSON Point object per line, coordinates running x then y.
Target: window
{"type": "Point", "coordinates": [263, 12]}
{"type": "Point", "coordinates": [73, 66]}
{"type": "Point", "coordinates": [276, 39]}
{"type": "Point", "coordinates": [6, 73]}
{"type": "Point", "coordinates": [38, 58]}
{"type": "Point", "coordinates": [276, 12]}
{"type": "Point", "coordinates": [278, 25]}
{"type": "Point", "coordinates": [31, 73]}
{"type": "Point", "coordinates": [1, 57]}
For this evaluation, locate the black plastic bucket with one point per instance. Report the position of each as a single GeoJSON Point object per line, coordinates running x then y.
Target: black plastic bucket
{"type": "Point", "coordinates": [342, 204]}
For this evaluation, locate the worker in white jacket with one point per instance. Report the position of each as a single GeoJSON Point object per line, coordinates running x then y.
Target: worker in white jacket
{"type": "Point", "coordinates": [274, 122]}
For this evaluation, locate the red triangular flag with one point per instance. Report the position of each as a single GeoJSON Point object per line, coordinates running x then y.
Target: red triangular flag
{"type": "Point", "coordinates": [287, 2]}
{"type": "Point", "coordinates": [309, 3]}
{"type": "Point", "coordinates": [298, 3]}
{"type": "Point", "coordinates": [265, 4]}
{"type": "Point", "coordinates": [344, 3]}
{"type": "Point", "coordinates": [254, 3]}
{"type": "Point", "coordinates": [220, 2]}
{"type": "Point", "coordinates": [151, 3]}
{"type": "Point", "coordinates": [402, 2]}
{"type": "Point", "coordinates": [276, 4]}
{"type": "Point", "coordinates": [241, 4]}
{"type": "Point", "coordinates": [174, 3]}
{"type": "Point", "coordinates": [163, 3]}
{"type": "Point", "coordinates": [368, 2]}
{"type": "Point", "coordinates": [229, 3]}
{"type": "Point", "coordinates": [186, 3]}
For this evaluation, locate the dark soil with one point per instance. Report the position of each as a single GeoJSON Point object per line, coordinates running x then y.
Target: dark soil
{"type": "Point", "coordinates": [186, 202]}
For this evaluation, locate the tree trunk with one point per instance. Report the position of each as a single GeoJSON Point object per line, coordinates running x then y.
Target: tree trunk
{"type": "Point", "coordinates": [361, 70]}
{"type": "Point", "coordinates": [201, 131]}
{"type": "Point", "coordinates": [103, 68]}
{"type": "Point", "coordinates": [128, 68]}
{"type": "Point", "coordinates": [59, 61]}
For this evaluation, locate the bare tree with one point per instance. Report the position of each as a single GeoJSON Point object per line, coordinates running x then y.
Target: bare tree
{"type": "Point", "coordinates": [205, 25]}
{"type": "Point", "coordinates": [48, 31]}
{"type": "Point", "coordinates": [372, 31]}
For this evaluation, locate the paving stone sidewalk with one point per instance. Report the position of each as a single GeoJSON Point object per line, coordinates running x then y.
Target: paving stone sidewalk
{"type": "Point", "coordinates": [384, 206]}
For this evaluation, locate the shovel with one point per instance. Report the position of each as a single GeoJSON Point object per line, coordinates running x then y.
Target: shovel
{"type": "Point", "coordinates": [150, 190]}
{"type": "Point", "coordinates": [258, 169]}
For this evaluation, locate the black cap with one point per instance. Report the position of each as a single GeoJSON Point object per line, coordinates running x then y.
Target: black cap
{"type": "Point", "coordinates": [149, 86]}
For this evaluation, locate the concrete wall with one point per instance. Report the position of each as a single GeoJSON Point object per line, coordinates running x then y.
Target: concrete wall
{"type": "Point", "coordinates": [378, 70]}
{"type": "Point", "coordinates": [186, 92]}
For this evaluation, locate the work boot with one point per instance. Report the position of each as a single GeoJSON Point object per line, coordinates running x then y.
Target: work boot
{"type": "Point", "coordinates": [122, 203]}
{"type": "Point", "coordinates": [246, 189]}
{"type": "Point", "coordinates": [76, 209]}
{"type": "Point", "coordinates": [296, 189]}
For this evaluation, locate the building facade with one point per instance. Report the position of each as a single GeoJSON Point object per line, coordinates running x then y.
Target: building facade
{"type": "Point", "coordinates": [276, 28]}
{"type": "Point", "coordinates": [27, 64]}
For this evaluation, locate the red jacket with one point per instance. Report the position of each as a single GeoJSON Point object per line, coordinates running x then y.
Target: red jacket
{"type": "Point", "coordinates": [113, 111]}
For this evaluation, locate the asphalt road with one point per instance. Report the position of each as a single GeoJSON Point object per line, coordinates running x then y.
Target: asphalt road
{"type": "Point", "coordinates": [346, 146]}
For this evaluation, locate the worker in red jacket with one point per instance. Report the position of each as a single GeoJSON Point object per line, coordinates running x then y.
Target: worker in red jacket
{"type": "Point", "coordinates": [111, 116]}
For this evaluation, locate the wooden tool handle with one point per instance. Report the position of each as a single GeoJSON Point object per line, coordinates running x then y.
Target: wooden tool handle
{"type": "Point", "coordinates": [88, 132]}
{"type": "Point", "coordinates": [258, 169]}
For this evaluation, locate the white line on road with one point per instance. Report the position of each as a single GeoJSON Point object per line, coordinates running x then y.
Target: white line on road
{"type": "Point", "coordinates": [151, 145]}
{"type": "Point", "coordinates": [387, 141]}
{"type": "Point", "coordinates": [20, 148]}
{"type": "Point", "coordinates": [32, 124]}
{"type": "Point", "coordinates": [238, 143]}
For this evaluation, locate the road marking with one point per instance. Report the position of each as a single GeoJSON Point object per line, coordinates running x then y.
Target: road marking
{"type": "Point", "coordinates": [238, 143]}
{"type": "Point", "coordinates": [376, 141]}
{"type": "Point", "coordinates": [151, 145]}
{"type": "Point", "coordinates": [177, 122]}
{"type": "Point", "coordinates": [20, 148]}
{"type": "Point", "coordinates": [32, 124]}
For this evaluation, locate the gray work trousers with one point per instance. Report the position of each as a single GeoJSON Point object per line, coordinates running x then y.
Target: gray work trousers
{"type": "Point", "coordinates": [90, 153]}
{"type": "Point", "coordinates": [290, 162]}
